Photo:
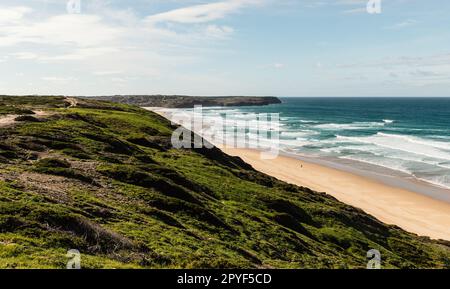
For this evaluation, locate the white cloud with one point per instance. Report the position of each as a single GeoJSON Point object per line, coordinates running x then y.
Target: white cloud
{"type": "Point", "coordinates": [13, 14]}
{"type": "Point", "coordinates": [403, 24]}
{"type": "Point", "coordinates": [62, 51]}
{"type": "Point", "coordinates": [219, 31]}
{"type": "Point", "coordinates": [404, 61]}
{"type": "Point", "coordinates": [407, 71]}
{"type": "Point", "coordinates": [355, 11]}
{"type": "Point", "coordinates": [202, 13]}
{"type": "Point", "coordinates": [107, 73]}
{"type": "Point", "coordinates": [80, 54]}
{"type": "Point", "coordinates": [24, 55]}
{"type": "Point", "coordinates": [425, 73]}
{"type": "Point", "coordinates": [82, 36]}
{"type": "Point", "coordinates": [278, 65]}
{"type": "Point", "coordinates": [58, 79]}
{"type": "Point", "coordinates": [71, 29]}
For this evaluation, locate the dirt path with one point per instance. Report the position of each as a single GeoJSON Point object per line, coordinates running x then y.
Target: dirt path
{"type": "Point", "coordinates": [9, 119]}
{"type": "Point", "coordinates": [72, 101]}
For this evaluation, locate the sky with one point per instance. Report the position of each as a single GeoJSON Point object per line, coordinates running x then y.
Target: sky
{"type": "Point", "coordinates": [225, 47]}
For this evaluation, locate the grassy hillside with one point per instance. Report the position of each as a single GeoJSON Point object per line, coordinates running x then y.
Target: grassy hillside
{"type": "Point", "coordinates": [102, 178]}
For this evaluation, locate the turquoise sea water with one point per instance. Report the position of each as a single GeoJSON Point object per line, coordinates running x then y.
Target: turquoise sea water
{"type": "Point", "coordinates": [410, 135]}
{"type": "Point", "coordinates": [407, 135]}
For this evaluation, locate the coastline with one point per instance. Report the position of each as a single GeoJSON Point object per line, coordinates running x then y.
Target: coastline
{"type": "Point", "coordinates": [412, 211]}
{"type": "Point", "coordinates": [408, 210]}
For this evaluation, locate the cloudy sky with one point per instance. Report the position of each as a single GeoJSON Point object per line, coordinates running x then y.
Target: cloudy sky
{"type": "Point", "coordinates": [225, 47]}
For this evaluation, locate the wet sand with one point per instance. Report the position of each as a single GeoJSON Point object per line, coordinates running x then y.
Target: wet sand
{"type": "Point", "coordinates": [411, 211]}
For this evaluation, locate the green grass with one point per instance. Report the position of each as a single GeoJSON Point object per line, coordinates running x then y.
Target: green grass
{"type": "Point", "coordinates": [102, 178]}
{"type": "Point", "coordinates": [8, 109]}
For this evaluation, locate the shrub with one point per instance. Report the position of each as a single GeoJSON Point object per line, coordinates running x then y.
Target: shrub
{"type": "Point", "coordinates": [26, 118]}
{"type": "Point", "coordinates": [61, 168]}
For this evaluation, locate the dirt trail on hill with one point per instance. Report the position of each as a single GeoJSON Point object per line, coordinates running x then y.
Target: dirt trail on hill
{"type": "Point", "coordinates": [10, 119]}
{"type": "Point", "coordinates": [72, 101]}
{"type": "Point", "coordinates": [7, 120]}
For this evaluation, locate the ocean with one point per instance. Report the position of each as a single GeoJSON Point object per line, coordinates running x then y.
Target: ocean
{"type": "Point", "coordinates": [406, 137]}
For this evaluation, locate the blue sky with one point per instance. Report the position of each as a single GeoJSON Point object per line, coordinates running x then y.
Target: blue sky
{"type": "Point", "coordinates": [225, 47]}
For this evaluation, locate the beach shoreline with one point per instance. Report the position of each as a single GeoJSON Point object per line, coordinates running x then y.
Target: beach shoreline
{"type": "Point", "coordinates": [392, 204]}
{"type": "Point", "coordinates": [408, 210]}
{"type": "Point", "coordinates": [379, 174]}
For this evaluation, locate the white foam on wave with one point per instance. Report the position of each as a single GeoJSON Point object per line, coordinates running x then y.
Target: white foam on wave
{"type": "Point", "coordinates": [401, 166]}
{"type": "Point", "coordinates": [404, 153]}
{"type": "Point", "coordinates": [441, 181]}
{"type": "Point", "coordinates": [294, 119]}
{"type": "Point", "coordinates": [381, 162]}
{"type": "Point", "coordinates": [413, 139]}
{"type": "Point", "coordinates": [298, 134]}
{"type": "Point", "coordinates": [350, 126]}
{"type": "Point", "coordinates": [252, 140]}
{"type": "Point", "coordinates": [307, 121]}
{"type": "Point", "coordinates": [288, 118]}
{"type": "Point", "coordinates": [444, 165]}
{"type": "Point", "coordinates": [421, 147]}
{"type": "Point", "coordinates": [382, 152]}
{"type": "Point", "coordinates": [250, 123]}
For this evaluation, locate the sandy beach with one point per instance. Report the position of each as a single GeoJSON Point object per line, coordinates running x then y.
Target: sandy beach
{"type": "Point", "coordinates": [409, 210]}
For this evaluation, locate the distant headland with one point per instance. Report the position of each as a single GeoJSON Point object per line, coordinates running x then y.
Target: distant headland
{"type": "Point", "coordinates": [183, 101]}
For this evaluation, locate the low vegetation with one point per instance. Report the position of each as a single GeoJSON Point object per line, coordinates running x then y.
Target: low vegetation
{"type": "Point", "coordinates": [102, 178]}
{"type": "Point", "coordinates": [182, 101]}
